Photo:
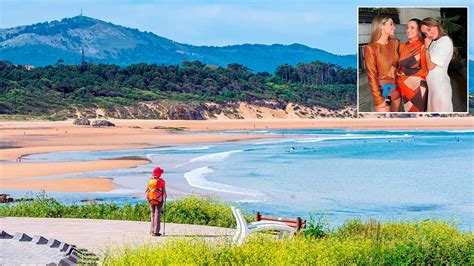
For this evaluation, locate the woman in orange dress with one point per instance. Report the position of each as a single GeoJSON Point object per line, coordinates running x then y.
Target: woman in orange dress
{"type": "Point", "coordinates": [412, 69]}
{"type": "Point", "coordinates": [381, 62]}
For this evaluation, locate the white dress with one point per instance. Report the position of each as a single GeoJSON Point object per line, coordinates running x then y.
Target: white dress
{"type": "Point", "coordinates": [439, 85]}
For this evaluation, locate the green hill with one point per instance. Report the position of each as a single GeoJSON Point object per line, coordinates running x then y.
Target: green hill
{"type": "Point", "coordinates": [44, 43]}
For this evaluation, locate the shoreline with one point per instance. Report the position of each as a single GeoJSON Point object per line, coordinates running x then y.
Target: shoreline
{"type": "Point", "coordinates": [89, 185]}
{"type": "Point", "coordinates": [20, 138]}
{"type": "Point", "coordinates": [13, 170]}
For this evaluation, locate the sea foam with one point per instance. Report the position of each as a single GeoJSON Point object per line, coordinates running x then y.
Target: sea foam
{"type": "Point", "coordinates": [196, 178]}
{"type": "Point", "coordinates": [214, 157]}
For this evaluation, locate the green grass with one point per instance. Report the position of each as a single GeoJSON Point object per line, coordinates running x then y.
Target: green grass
{"type": "Point", "coordinates": [19, 117]}
{"type": "Point", "coordinates": [171, 128]}
{"type": "Point", "coordinates": [55, 117]}
{"type": "Point", "coordinates": [4, 117]}
{"type": "Point", "coordinates": [355, 242]}
{"type": "Point", "coordinates": [366, 243]}
{"type": "Point", "coordinates": [190, 210]}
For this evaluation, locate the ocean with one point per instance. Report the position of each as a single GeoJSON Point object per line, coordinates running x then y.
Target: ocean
{"type": "Point", "coordinates": [342, 174]}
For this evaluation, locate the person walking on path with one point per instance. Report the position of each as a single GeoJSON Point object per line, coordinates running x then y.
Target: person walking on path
{"type": "Point", "coordinates": [155, 194]}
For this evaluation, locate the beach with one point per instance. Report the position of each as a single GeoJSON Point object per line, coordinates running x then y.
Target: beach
{"type": "Point", "coordinates": [21, 138]}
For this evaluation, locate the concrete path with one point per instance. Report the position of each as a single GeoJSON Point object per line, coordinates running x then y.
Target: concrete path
{"type": "Point", "coordinates": [97, 235]}
{"type": "Point", "coordinates": [25, 250]}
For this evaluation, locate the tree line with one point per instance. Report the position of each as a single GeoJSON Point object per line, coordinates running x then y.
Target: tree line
{"type": "Point", "coordinates": [51, 88]}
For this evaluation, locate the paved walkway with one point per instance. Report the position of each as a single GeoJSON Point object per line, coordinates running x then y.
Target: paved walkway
{"type": "Point", "coordinates": [97, 235]}
{"type": "Point", "coordinates": [28, 252]}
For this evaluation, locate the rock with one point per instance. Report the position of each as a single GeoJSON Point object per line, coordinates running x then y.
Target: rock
{"type": "Point", "coordinates": [5, 199]}
{"type": "Point", "coordinates": [82, 122]}
{"type": "Point", "coordinates": [172, 110]}
{"type": "Point", "coordinates": [91, 200]}
{"type": "Point", "coordinates": [102, 123]}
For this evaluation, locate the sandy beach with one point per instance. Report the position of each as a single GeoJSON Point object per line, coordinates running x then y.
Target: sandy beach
{"type": "Point", "coordinates": [21, 138]}
{"type": "Point", "coordinates": [25, 169]}
{"type": "Point", "coordinates": [62, 184]}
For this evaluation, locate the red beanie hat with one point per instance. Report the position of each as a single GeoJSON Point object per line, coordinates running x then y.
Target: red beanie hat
{"type": "Point", "coordinates": [158, 171]}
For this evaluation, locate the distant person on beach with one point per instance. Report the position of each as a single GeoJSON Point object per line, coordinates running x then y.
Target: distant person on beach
{"type": "Point", "coordinates": [381, 62]}
{"type": "Point", "coordinates": [155, 194]}
{"type": "Point", "coordinates": [439, 51]}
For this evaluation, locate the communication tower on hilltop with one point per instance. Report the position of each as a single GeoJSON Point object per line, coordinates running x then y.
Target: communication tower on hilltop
{"type": "Point", "coordinates": [82, 53]}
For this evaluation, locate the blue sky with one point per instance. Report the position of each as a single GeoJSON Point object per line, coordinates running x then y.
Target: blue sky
{"type": "Point", "coordinates": [327, 25]}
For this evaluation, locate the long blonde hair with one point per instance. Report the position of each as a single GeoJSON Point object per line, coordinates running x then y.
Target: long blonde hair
{"type": "Point", "coordinates": [376, 31]}
{"type": "Point", "coordinates": [431, 22]}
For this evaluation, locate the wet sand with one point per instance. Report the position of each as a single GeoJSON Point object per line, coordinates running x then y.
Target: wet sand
{"type": "Point", "coordinates": [62, 184]}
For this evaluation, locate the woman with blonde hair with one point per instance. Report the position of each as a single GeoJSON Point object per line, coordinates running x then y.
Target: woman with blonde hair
{"type": "Point", "coordinates": [381, 61]}
{"type": "Point", "coordinates": [439, 52]}
{"type": "Point", "coordinates": [412, 70]}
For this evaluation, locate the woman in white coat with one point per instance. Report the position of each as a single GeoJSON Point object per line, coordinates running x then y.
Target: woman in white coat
{"type": "Point", "coordinates": [439, 52]}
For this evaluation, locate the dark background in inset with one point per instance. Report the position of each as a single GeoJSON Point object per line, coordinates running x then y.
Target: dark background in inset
{"type": "Point", "coordinates": [457, 70]}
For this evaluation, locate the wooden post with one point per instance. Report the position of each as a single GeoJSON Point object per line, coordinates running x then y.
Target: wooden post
{"type": "Point", "coordinates": [258, 216]}
{"type": "Point", "coordinates": [298, 223]}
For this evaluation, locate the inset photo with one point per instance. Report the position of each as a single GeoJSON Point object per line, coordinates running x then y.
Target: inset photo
{"type": "Point", "coordinates": [412, 59]}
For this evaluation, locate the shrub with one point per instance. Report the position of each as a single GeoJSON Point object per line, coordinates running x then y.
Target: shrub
{"type": "Point", "coordinates": [317, 226]}
{"type": "Point", "coordinates": [170, 128]}
{"type": "Point", "coordinates": [355, 242]}
{"type": "Point", "coordinates": [427, 242]}
{"type": "Point", "coordinates": [55, 117]}
{"type": "Point", "coordinates": [190, 210]}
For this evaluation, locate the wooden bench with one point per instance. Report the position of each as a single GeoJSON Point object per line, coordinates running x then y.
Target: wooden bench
{"type": "Point", "coordinates": [244, 228]}
{"type": "Point", "coordinates": [296, 223]}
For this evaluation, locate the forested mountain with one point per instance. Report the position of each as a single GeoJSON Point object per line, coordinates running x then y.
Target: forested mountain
{"type": "Point", "coordinates": [53, 89]}
{"type": "Point", "coordinates": [44, 43]}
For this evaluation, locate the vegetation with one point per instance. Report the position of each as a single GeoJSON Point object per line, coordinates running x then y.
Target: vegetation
{"type": "Point", "coordinates": [51, 89]}
{"type": "Point", "coordinates": [55, 117]}
{"type": "Point", "coordinates": [365, 243]}
{"type": "Point", "coordinates": [317, 226]}
{"type": "Point", "coordinates": [355, 242]}
{"type": "Point", "coordinates": [4, 117]}
{"type": "Point", "coordinates": [366, 15]}
{"type": "Point", "coordinates": [170, 128]}
{"type": "Point", "coordinates": [42, 44]}
{"type": "Point", "coordinates": [190, 210]}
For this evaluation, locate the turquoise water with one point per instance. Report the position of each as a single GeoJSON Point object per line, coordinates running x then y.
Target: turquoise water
{"type": "Point", "coordinates": [383, 175]}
